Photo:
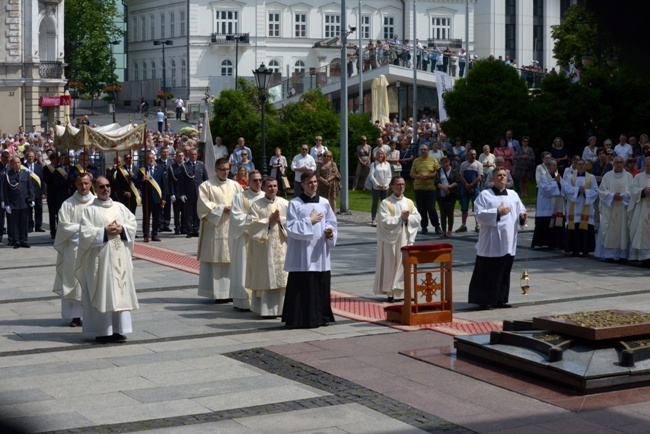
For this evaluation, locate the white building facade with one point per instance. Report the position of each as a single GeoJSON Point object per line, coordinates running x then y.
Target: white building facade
{"type": "Point", "coordinates": [216, 40]}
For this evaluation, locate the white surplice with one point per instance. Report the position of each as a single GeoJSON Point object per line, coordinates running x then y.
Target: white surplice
{"type": "Point", "coordinates": [612, 240]}
{"type": "Point", "coordinates": [66, 244]}
{"type": "Point", "coordinates": [213, 252]}
{"type": "Point", "coordinates": [572, 195]}
{"type": "Point", "coordinates": [265, 275]}
{"type": "Point", "coordinates": [105, 270]}
{"type": "Point", "coordinates": [638, 214]}
{"type": "Point", "coordinates": [240, 218]}
{"type": "Point", "coordinates": [498, 237]}
{"type": "Point", "coordinates": [393, 234]}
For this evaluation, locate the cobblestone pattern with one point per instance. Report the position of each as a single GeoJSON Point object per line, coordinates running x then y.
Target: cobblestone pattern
{"type": "Point", "coordinates": [343, 392]}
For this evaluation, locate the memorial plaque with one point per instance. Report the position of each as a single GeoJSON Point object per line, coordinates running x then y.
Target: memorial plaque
{"type": "Point", "coordinates": [597, 325]}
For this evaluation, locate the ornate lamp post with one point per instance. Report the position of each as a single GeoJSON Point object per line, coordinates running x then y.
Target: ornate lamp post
{"type": "Point", "coordinates": [163, 42]}
{"type": "Point", "coordinates": [263, 78]}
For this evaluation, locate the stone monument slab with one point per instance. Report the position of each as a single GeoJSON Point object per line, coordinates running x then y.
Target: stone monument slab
{"type": "Point", "coordinates": [597, 325]}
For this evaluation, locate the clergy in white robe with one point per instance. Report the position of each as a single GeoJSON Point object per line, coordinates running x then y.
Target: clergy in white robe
{"type": "Point", "coordinates": [614, 192]}
{"type": "Point", "coordinates": [213, 206]}
{"type": "Point", "coordinates": [549, 212]}
{"type": "Point", "coordinates": [240, 218]}
{"type": "Point", "coordinates": [267, 249]}
{"type": "Point", "coordinates": [311, 232]}
{"type": "Point", "coordinates": [104, 267]}
{"type": "Point", "coordinates": [66, 243]}
{"type": "Point", "coordinates": [499, 212]}
{"type": "Point", "coordinates": [581, 191]}
{"type": "Point", "coordinates": [397, 226]}
{"type": "Point", "coordinates": [639, 216]}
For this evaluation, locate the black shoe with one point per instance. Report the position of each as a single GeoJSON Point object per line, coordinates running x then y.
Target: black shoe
{"type": "Point", "coordinates": [188, 236]}
{"type": "Point", "coordinates": [438, 230]}
{"type": "Point", "coordinates": [166, 229]}
{"type": "Point", "coordinates": [183, 231]}
{"type": "Point", "coordinates": [504, 306]}
{"type": "Point", "coordinates": [391, 299]}
{"type": "Point", "coordinates": [623, 261]}
{"type": "Point", "coordinates": [40, 230]}
{"type": "Point", "coordinates": [424, 231]}
{"type": "Point", "coordinates": [176, 232]}
{"type": "Point", "coordinates": [239, 309]}
{"type": "Point", "coordinates": [195, 234]}
{"type": "Point", "coordinates": [104, 339]}
{"type": "Point", "coordinates": [118, 338]}
{"type": "Point", "coordinates": [25, 245]}
{"type": "Point", "coordinates": [485, 307]}
{"type": "Point", "coordinates": [17, 246]}
{"type": "Point", "coordinates": [223, 300]}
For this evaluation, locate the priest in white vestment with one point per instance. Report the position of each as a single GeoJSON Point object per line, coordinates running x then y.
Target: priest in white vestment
{"type": "Point", "coordinates": [581, 191]}
{"type": "Point", "coordinates": [311, 232]}
{"type": "Point", "coordinates": [66, 243]}
{"type": "Point", "coordinates": [104, 267]}
{"type": "Point", "coordinates": [265, 275]}
{"type": "Point", "coordinates": [614, 192]}
{"type": "Point", "coordinates": [639, 216]}
{"type": "Point", "coordinates": [240, 218]}
{"type": "Point", "coordinates": [499, 212]}
{"type": "Point", "coordinates": [549, 211]}
{"type": "Point", "coordinates": [213, 206]}
{"type": "Point", "coordinates": [397, 226]}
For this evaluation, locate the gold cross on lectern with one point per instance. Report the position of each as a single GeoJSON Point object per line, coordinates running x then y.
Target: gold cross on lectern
{"type": "Point", "coordinates": [429, 287]}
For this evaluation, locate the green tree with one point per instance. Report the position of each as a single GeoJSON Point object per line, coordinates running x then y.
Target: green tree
{"type": "Point", "coordinates": [492, 99]}
{"type": "Point", "coordinates": [578, 30]}
{"type": "Point", "coordinates": [90, 25]}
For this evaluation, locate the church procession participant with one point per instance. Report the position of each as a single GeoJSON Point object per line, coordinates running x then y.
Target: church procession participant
{"type": "Point", "coordinates": [17, 199]}
{"type": "Point", "coordinates": [166, 212]}
{"type": "Point", "coordinates": [36, 175]}
{"type": "Point", "coordinates": [265, 275]}
{"type": "Point", "coordinates": [125, 176]}
{"type": "Point", "coordinates": [152, 181]}
{"type": "Point", "coordinates": [81, 167]}
{"type": "Point", "coordinates": [66, 243]}
{"type": "Point", "coordinates": [104, 267]}
{"type": "Point", "coordinates": [174, 174]}
{"type": "Point", "coordinates": [238, 240]}
{"type": "Point", "coordinates": [638, 212]}
{"type": "Point", "coordinates": [4, 166]}
{"type": "Point", "coordinates": [499, 212]}
{"type": "Point", "coordinates": [581, 191]}
{"type": "Point", "coordinates": [215, 197]}
{"type": "Point", "coordinates": [549, 214]}
{"type": "Point", "coordinates": [311, 232]}
{"type": "Point", "coordinates": [614, 193]}
{"type": "Point", "coordinates": [191, 177]}
{"type": "Point", "coordinates": [397, 226]}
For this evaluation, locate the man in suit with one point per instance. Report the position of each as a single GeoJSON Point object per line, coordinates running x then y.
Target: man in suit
{"type": "Point", "coordinates": [152, 180]}
{"type": "Point", "coordinates": [192, 175]}
{"type": "Point", "coordinates": [4, 166]}
{"type": "Point", "coordinates": [51, 193]}
{"type": "Point", "coordinates": [127, 193]}
{"type": "Point", "coordinates": [18, 196]}
{"type": "Point", "coordinates": [174, 174]}
{"type": "Point", "coordinates": [81, 167]}
{"type": "Point", "coordinates": [36, 175]}
{"type": "Point", "coordinates": [165, 162]}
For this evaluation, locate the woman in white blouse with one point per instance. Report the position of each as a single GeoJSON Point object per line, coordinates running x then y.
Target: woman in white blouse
{"type": "Point", "coordinates": [380, 175]}
{"type": "Point", "coordinates": [487, 160]}
{"type": "Point", "coordinates": [318, 150]}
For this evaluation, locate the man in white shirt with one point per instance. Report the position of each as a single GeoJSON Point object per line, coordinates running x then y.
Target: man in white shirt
{"type": "Point", "coordinates": [160, 117]}
{"type": "Point", "coordinates": [220, 150]}
{"type": "Point", "coordinates": [301, 163]}
{"type": "Point", "coordinates": [623, 149]}
{"type": "Point", "coordinates": [179, 108]}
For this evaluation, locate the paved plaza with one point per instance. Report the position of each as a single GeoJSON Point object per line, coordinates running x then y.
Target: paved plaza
{"type": "Point", "coordinates": [192, 366]}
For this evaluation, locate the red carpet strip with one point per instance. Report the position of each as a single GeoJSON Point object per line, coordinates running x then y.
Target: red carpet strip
{"type": "Point", "coordinates": [343, 304]}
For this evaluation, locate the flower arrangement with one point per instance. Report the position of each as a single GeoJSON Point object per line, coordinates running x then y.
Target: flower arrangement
{"type": "Point", "coordinates": [75, 85]}
{"type": "Point", "coordinates": [112, 88]}
{"type": "Point", "coordinates": [164, 95]}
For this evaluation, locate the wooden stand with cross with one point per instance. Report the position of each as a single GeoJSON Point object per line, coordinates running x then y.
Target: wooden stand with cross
{"type": "Point", "coordinates": [428, 291]}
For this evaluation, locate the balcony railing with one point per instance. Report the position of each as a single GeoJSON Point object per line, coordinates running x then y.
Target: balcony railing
{"type": "Point", "coordinates": [50, 69]}
{"type": "Point", "coordinates": [230, 38]}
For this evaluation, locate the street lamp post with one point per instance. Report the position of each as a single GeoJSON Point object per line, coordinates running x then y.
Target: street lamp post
{"type": "Point", "coordinates": [163, 42]}
{"type": "Point", "coordinates": [112, 44]}
{"type": "Point", "coordinates": [75, 91]}
{"type": "Point", "coordinates": [263, 78]}
{"type": "Point", "coordinates": [237, 39]}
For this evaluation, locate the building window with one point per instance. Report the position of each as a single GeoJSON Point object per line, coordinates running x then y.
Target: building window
{"type": "Point", "coordinates": [133, 34]}
{"type": "Point", "coordinates": [172, 25]}
{"type": "Point", "coordinates": [183, 73]}
{"type": "Point", "coordinates": [173, 73]}
{"type": "Point", "coordinates": [136, 72]}
{"type": "Point", "coordinates": [182, 19]}
{"type": "Point", "coordinates": [365, 27]}
{"type": "Point", "coordinates": [226, 68]}
{"type": "Point", "coordinates": [332, 25]}
{"type": "Point", "coordinates": [143, 29]}
{"type": "Point", "coordinates": [144, 70]}
{"type": "Point", "coordinates": [440, 28]}
{"type": "Point", "coordinates": [299, 67]}
{"type": "Point", "coordinates": [511, 7]}
{"type": "Point", "coordinates": [227, 22]}
{"type": "Point", "coordinates": [153, 70]}
{"type": "Point", "coordinates": [274, 25]}
{"type": "Point", "coordinates": [152, 27]}
{"type": "Point", "coordinates": [274, 66]}
{"type": "Point", "coordinates": [389, 27]}
{"type": "Point", "coordinates": [301, 26]}
{"type": "Point", "coordinates": [510, 37]}
{"type": "Point", "coordinates": [163, 33]}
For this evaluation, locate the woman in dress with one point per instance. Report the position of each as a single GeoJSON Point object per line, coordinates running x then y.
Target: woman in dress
{"type": "Point", "coordinates": [363, 164]}
{"type": "Point", "coordinates": [561, 154]}
{"type": "Point", "coordinates": [508, 154]}
{"type": "Point", "coordinates": [590, 153]}
{"type": "Point", "coordinates": [380, 175]}
{"type": "Point", "coordinates": [242, 177]}
{"type": "Point", "coordinates": [328, 180]}
{"type": "Point", "coordinates": [487, 160]}
{"type": "Point", "coordinates": [525, 167]}
{"type": "Point", "coordinates": [278, 165]}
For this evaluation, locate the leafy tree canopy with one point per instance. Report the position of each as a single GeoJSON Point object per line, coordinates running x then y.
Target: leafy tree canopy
{"type": "Point", "coordinates": [578, 31]}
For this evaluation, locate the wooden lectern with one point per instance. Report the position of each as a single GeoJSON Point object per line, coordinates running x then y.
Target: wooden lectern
{"type": "Point", "coordinates": [427, 292]}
